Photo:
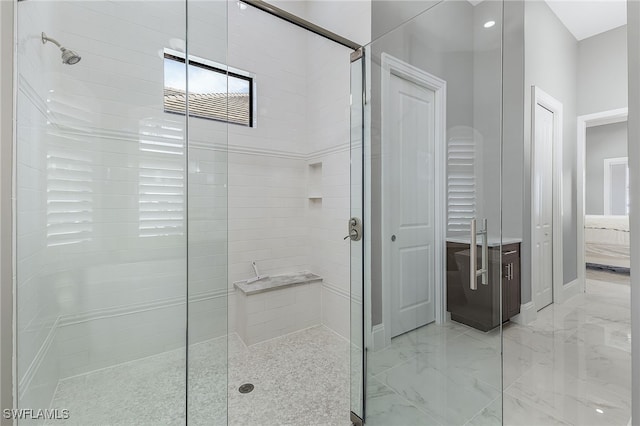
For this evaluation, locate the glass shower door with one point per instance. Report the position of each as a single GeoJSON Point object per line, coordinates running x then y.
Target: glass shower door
{"type": "Point", "coordinates": [121, 283]}
{"type": "Point", "coordinates": [431, 311]}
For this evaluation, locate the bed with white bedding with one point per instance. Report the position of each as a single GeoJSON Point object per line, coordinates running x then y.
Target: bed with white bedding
{"type": "Point", "coordinates": [607, 241]}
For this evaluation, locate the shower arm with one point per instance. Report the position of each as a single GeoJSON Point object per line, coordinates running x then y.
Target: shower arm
{"type": "Point", "coordinates": [45, 39]}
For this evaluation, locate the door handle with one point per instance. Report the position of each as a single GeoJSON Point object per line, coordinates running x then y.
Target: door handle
{"type": "Point", "coordinates": [355, 229]}
{"type": "Point", "coordinates": [353, 234]}
{"type": "Point", "coordinates": [474, 272]}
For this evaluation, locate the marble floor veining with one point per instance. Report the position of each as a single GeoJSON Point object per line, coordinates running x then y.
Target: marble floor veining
{"type": "Point", "coordinates": [435, 375]}
{"type": "Point", "coordinates": [572, 366]}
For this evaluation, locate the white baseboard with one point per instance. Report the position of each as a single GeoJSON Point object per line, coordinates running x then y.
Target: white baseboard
{"type": "Point", "coordinates": [528, 314]}
{"type": "Point", "coordinates": [377, 337]}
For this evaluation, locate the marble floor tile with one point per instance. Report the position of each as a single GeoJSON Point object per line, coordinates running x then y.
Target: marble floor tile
{"type": "Point", "coordinates": [419, 341]}
{"type": "Point", "coordinates": [386, 408]}
{"type": "Point", "coordinates": [516, 413]}
{"type": "Point", "coordinates": [491, 415]}
{"type": "Point", "coordinates": [517, 360]}
{"type": "Point", "coordinates": [570, 399]}
{"type": "Point", "coordinates": [572, 365]}
{"type": "Point", "coordinates": [559, 370]}
{"type": "Point", "coordinates": [449, 395]}
{"type": "Point", "coordinates": [476, 356]}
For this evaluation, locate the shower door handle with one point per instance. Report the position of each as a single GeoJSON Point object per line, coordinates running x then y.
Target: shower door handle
{"type": "Point", "coordinates": [474, 272]}
{"type": "Point", "coordinates": [355, 229]}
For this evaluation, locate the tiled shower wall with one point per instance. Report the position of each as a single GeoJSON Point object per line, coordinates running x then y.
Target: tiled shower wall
{"type": "Point", "coordinates": [303, 118]}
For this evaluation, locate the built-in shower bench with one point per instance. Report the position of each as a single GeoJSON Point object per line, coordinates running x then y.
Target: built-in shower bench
{"type": "Point", "coordinates": [277, 305]}
{"type": "Point", "coordinates": [277, 282]}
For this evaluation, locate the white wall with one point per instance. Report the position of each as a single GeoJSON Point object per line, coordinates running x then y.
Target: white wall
{"type": "Point", "coordinates": [551, 55]}
{"type": "Point", "coordinates": [602, 72]}
{"type": "Point", "coordinates": [586, 77]}
{"type": "Point", "coordinates": [606, 141]}
{"type": "Point", "coordinates": [513, 120]}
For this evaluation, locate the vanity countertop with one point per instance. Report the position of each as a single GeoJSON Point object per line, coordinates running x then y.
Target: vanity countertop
{"type": "Point", "coordinates": [277, 282]}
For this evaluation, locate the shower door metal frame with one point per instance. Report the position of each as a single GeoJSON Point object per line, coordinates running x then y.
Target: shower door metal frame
{"type": "Point", "coordinates": [359, 55]}
{"type": "Point", "coordinates": [303, 23]}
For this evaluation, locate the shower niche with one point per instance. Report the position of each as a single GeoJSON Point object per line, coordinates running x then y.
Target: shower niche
{"type": "Point", "coordinates": [314, 182]}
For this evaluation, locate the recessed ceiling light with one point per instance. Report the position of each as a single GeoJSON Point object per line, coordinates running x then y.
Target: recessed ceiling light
{"type": "Point", "coordinates": [489, 24]}
{"type": "Point", "coordinates": [599, 411]}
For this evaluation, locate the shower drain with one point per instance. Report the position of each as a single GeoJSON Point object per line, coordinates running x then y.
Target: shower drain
{"type": "Point", "coordinates": [246, 388]}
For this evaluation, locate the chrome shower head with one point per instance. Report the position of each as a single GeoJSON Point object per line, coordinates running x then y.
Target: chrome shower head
{"type": "Point", "coordinates": [69, 57]}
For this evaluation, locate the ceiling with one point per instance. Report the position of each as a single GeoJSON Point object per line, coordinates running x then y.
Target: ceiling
{"type": "Point", "coordinates": [586, 18]}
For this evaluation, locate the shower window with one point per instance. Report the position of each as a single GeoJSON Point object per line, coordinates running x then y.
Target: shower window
{"type": "Point", "coordinates": [215, 91]}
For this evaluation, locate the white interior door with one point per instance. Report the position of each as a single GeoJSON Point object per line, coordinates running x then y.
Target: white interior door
{"type": "Point", "coordinates": [542, 262]}
{"type": "Point", "coordinates": [409, 204]}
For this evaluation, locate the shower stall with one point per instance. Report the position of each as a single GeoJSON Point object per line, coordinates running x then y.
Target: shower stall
{"type": "Point", "coordinates": [182, 197]}
{"type": "Point", "coordinates": [228, 214]}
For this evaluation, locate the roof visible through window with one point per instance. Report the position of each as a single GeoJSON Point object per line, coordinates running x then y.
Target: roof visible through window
{"type": "Point", "coordinates": [214, 93]}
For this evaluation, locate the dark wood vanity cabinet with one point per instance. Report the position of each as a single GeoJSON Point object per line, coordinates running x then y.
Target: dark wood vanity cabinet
{"type": "Point", "coordinates": [481, 308]}
{"type": "Point", "coordinates": [510, 281]}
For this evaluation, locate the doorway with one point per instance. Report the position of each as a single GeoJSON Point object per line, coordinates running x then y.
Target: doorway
{"type": "Point", "coordinates": [413, 122]}
{"type": "Point", "coordinates": [546, 198]}
{"type": "Point", "coordinates": [614, 236]}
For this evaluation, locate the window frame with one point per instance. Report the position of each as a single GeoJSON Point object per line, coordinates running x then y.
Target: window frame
{"type": "Point", "coordinates": [210, 65]}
